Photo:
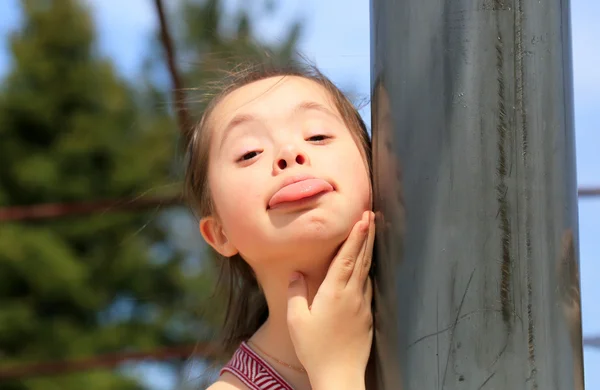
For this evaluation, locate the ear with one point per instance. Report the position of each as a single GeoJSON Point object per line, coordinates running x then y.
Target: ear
{"type": "Point", "coordinates": [213, 234]}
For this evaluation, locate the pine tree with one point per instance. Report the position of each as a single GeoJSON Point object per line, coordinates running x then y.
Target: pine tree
{"type": "Point", "coordinates": [71, 130]}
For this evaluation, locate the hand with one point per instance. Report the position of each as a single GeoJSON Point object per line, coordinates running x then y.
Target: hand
{"type": "Point", "coordinates": [333, 337]}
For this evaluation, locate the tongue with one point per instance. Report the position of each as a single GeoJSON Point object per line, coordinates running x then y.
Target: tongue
{"type": "Point", "coordinates": [300, 190]}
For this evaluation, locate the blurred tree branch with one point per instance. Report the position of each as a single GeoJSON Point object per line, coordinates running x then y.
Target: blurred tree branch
{"type": "Point", "coordinates": [183, 116]}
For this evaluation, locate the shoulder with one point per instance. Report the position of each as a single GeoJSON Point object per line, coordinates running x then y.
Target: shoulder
{"type": "Point", "coordinates": [227, 381]}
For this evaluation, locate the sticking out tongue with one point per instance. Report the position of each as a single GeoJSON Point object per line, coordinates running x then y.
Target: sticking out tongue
{"type": "Point", "coordinates": [300, 190]}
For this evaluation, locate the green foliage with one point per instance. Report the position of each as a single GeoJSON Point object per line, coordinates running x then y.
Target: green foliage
{"type": "Point", "coordinates": [72, 130]}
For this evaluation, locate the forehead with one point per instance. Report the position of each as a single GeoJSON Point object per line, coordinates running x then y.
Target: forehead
{"type": "Point", "coordinates": [271, 97]}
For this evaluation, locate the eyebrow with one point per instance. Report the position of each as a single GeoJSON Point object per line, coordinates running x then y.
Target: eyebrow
{"type": "Point", "coordinates": [308, 106]}
{"type": "Point", "coordinates": [299, 109]}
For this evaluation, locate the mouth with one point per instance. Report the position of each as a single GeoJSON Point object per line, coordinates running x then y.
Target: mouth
{"type": "Point", "coordinates": [299, 189]}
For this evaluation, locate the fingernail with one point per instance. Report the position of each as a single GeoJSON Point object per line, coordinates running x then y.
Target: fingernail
{"type": "Point", "coordinates": [372, 215]}
{"type": "Point", "coordinates": [295, 276]}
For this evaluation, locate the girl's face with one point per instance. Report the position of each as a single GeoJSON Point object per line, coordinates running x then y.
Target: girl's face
{"type": "Point", "coordinates": [265, 136]}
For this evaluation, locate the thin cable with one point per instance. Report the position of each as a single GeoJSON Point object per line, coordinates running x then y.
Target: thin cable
{"type": "Point", "coordinates": [59, 210]}
{"type": "Point", "coordinates": [104, 361]}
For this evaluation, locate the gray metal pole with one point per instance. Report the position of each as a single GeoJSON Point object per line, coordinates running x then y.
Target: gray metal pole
{"type": "Point", "coordinates": [477, 281]}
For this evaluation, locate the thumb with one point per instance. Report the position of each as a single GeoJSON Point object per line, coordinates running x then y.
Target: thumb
{"type": "Point", "coordinates": [297, 307]}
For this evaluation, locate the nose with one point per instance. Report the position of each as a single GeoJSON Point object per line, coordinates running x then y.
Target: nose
{"type": "Point", "coordinates": [289, 155]}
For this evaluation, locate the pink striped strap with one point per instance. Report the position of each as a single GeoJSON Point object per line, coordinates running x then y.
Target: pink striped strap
{"type": "Point", "coordinates": [254, 371]}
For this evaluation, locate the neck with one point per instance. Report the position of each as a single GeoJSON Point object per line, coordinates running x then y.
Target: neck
{"type": "Point", "coordinates": [274, 337]}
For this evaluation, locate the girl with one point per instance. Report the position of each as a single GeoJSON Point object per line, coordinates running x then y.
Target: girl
{"type": "Point", "coordinates": [279, 171]}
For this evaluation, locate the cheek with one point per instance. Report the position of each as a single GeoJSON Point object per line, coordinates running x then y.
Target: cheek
{"type": "Point", "coordinates": [348, 167]}
{"type": "Point", "coordinates": [237, 199]}
{"type": "Point", "coordinates": [363, 185]}
{"type": "Point", "coordinates": [355, 172]}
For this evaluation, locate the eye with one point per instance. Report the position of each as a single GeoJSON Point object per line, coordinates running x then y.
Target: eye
{"type": "Point", "coordinates": [249, 156]}
{"type": "Point", "coordinates": [318, 138]}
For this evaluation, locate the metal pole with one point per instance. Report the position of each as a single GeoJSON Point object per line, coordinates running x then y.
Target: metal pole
{"type": "Point", "coordinates": [477, 278]}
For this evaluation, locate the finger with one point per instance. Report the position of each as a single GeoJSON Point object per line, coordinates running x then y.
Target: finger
{"type": "Point", "coordinates": [363, 263]}
{"type": "Point", "coordinates": [368, 290]}
{"type": "Point", "coordinates": [297, 307]}
{"type": "Point", "coordinates": [360, 257]}
{"type": "Point", "coordinates": [342, 266]}
{"type": "Point", "coordinates": [369, 299]}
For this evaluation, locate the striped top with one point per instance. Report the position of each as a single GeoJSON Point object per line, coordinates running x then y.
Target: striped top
{"type": "Point", "coordinates": [254, 371]}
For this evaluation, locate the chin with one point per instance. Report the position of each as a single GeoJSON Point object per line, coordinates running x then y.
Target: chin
{"type": "Point", "coordinates": [322, 225]}
{"type": "Point", "coordinates": [315, 234]}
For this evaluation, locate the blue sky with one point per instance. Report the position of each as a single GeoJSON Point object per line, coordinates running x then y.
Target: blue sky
{"type": "Point", "coordinates": [337, 38]}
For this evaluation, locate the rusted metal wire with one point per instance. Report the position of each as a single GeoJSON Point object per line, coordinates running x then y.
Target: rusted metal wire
{"type": "Point", "coordinates": [592, 341]}
{"type": "Point", "coordinates": [204, 351]}
{"type": "Point", "coordinates": [588, 192]}
{"type": "Point", "coordinates": [59, 210]}
{"type": "Point", "coordinates": [52, 368]}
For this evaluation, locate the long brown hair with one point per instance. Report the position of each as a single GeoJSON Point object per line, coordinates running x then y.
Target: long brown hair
{"type": "Point", "coordinates": [246, 307]}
